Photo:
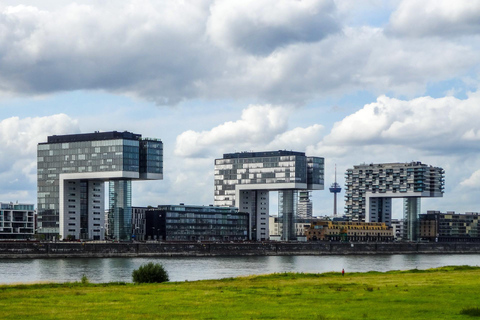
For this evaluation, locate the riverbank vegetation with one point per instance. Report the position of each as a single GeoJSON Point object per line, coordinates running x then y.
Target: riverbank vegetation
{"type": "Point", "coordinates": [442, 293]}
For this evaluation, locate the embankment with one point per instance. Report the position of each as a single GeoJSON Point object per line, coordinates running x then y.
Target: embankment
{"type": "Point", "coordinates": [20, 250]}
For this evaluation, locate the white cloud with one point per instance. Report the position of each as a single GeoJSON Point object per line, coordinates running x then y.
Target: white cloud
{"type": "Point", "coordinates": [440, 125]}
{"type": "Point", "coordinates": [259, 124]}
{"type": "Point", "coordinates": [18, 156]}
{"type": "Point", "coordinates": [436, 18]}
{"type": "Point", "coordinates": [21, 136]}
{"type": "Point", "coordinates": [297, 139]}
{"type": "Point", "coordinates": [473, 181]}
{"type": "Point", "coordinates": [268, 51]}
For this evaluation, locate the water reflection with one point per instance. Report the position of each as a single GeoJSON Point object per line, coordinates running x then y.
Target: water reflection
{"type": "Point", "coordinates": [181, 269]}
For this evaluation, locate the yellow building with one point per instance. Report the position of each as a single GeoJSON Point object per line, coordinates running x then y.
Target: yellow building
{"type": "Point", "coordinates": [349, 231]}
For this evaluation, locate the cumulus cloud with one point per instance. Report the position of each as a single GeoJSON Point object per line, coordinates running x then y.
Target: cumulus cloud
{"type": "Point", "coordinates": [19, 139]}
{"type": "Point", "coordinates": [473, 181]}
{"type": "Point", "coordinates": [439, 125]}
{"type": "Point", "coordinates": [258, 125]}
{"type": "Point", "coordinates": [436, 18]}
{"type": "Point", "coordinates": [297, 139]}
{"type": "Point", "coordinates": [269, 51]}
{"type": "Point", "coordinates": [259, 27]}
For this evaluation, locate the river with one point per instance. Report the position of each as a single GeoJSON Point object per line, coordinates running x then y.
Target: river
{"type": "Point", "coordinates": [200, 268]}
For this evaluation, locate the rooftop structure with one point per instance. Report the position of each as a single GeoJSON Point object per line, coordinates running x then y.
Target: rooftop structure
{"type": "Point", "coordinates": [371, 187]}
{"type": "Point", "coordinates": [71, 173]}
{"type": "Point", "coordinates": [245, 179]}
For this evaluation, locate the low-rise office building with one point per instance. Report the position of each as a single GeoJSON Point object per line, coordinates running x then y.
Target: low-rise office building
{"type": "Point", "coordinates": [449, 226]}
{"type": "Point", "coordinates": [349, 231]}
{"type": "Point", "coordinates": [196, 223]}
{"type": "Point", "coordinates": [17, 221]}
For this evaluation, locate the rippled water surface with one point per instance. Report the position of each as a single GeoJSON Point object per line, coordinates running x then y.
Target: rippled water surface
{"type": "Point", "coordinates": [199, 268]}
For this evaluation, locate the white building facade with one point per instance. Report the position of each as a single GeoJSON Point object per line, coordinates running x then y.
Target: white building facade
{"type": "Point", "coordinates": [245, 179]}
{"type": "Point", "coordinates": [370, 188]}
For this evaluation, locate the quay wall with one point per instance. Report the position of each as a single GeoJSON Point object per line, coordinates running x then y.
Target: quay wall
{"type": "Point", "coordinates": [22, 250]}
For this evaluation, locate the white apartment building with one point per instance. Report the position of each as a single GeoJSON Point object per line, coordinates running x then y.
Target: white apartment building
{"type": "Point", "coordinates": [245, 180]}
{"type": "Point", "coordinates": [371, 187]}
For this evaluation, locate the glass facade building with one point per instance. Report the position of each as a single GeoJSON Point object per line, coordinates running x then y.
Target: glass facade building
{"type": "Point", "coordinates": [196, 223]}
{"type": "Point", "coordinates": [71, 171]}
{"type": "Point", "coordinates": [244, 180]}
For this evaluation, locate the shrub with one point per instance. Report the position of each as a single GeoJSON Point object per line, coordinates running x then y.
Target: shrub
{"type": "Point", "coordinates": [150, 273]}
{"type": "Point", "coordinates": [84, 279]}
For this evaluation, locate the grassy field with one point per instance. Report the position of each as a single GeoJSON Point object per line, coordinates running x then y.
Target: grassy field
{"type": "Point", "coordinates": [444, 293]}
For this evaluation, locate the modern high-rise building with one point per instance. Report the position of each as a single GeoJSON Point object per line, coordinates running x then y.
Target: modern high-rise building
{"type": "Point", "coordinates": [371, 187]}
{"type": "Point", "coordinates": [72, 170]}
{"type": "Point", "coordinates": [245, 179]}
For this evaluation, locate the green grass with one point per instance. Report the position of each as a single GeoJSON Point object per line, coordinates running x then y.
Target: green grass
{"type": "Point", "coordinates": [443, 293]}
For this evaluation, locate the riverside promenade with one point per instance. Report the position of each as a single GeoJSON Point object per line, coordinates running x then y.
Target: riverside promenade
{"type": "Point", "coordinates": [22, 250]}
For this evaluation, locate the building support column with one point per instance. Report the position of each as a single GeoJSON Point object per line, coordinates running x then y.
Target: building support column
{"type": "Point", "coordinates": [411, 212]}
{"type": "Point", "coordinates": [120, 209]}
{"type": "Point", "coordinates": [287, 215]}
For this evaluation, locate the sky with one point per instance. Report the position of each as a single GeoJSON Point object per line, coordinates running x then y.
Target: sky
{"type": "Point", "coordinates": [351, 81]}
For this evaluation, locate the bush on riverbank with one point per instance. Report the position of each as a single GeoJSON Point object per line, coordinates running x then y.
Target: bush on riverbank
{"type": "Point", "coordinates": [150, 273]}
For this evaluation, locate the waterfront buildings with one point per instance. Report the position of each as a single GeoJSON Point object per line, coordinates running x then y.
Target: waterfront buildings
{"type": "Point", "coordinates": [304, 205]}
{"type": "Point", "coordinates": [371, 187]}
{"type": "Point", "coordinates": [245, 179]}
{"type": "Point", "coordinates": [398, 228]}
{"type": "Point", "coordinates": [349, 231]}
{"type": "Point", "coordinates": [138, 223]}
{"type": "Point", "coordinates": [17, 221]}
{"type": "Point", "coordinates": [449, 226]}
{"type": "Point", "coordinates": [71, 173]}
{"type": "Point", "coordinates": [196, 223]}
{"type": "Point", "coordinates": [301, 224]}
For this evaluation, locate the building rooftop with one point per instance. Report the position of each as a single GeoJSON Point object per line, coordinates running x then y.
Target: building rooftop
{"type": "Point", "coordinates": [393, 164]}
{"type": "Point", "coordinates": [93, 137]}
{"type": "Point", "coordinates": [262, 154]}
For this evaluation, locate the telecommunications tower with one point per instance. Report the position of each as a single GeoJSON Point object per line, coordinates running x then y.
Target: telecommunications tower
{"type": "Point", "coordinates": [335, 188]}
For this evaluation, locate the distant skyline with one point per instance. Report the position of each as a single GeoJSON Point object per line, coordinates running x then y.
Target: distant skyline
{"type": "Point", "coordinates": [353, 82]}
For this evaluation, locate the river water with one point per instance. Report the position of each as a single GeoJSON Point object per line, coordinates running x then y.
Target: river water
{"type": "Point", "coordinates": [200, 268]}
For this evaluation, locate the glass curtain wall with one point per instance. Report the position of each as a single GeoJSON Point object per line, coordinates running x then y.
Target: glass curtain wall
{"type": "Point", "coordinates": [120, 210]}
{"type": "Point", "coordinates": [411, 212]}
{"type": "Point", "coordinates": [287, 213]}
